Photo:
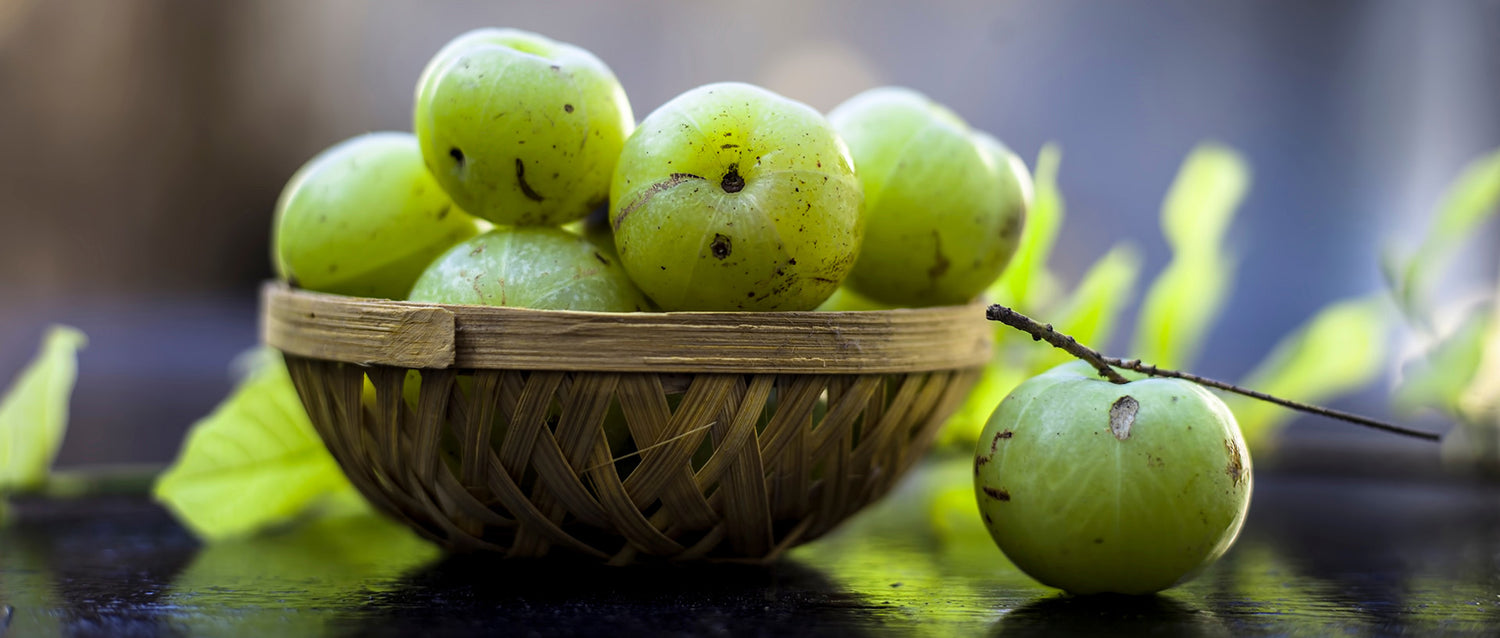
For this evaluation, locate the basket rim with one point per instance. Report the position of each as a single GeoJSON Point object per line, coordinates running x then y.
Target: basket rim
{"type": "Point", "coordinates": [367, 331]}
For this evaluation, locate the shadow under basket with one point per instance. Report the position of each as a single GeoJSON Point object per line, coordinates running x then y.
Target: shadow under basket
{"type": "Point", "coordinates": [623, 437]}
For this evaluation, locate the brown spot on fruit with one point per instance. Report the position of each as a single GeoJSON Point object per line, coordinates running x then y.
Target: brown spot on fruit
{"type": "Point", "coordinates": [979, 462]}
{"type": "Point", "coordinates": [995, 442]}
{"type": "Point", "coordinates": [521, 179]}
{"type": "Point", "coordinates": [568, 108]}
{"type": "Point", "coordinates": [1122, 416]}
{"type": "Point", "coordinates": [940, 262]}
{"type": "Point", "coordinates": [1011, 228]}
{"type": "Point", "coordinates": [457, 155]}
{"type": "Point", "coordinates": [1236, 467]}
{"type": "Point", "coordinates": [997, 494]}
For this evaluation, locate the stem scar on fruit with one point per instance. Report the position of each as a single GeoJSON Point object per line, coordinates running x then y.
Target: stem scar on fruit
{"type": "Point", "coordinates": [732, 182]}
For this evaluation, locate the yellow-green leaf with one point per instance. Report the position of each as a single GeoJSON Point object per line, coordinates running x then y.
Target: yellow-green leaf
{"type": "Point", "coordinates": [34, 411]}
{"type": "Point", "coordinates": [255, 462]}
{"type": "Point", "coordinates": [1441, 377]}
{"type": "Point", "coordinates": [1209, 187]}
{"type": "Point", "coordinates": [1474, 196]}
{"type": "Point", "coordinates": [1182, 304]}
{"type": "Point", "coordinates": [963, 428]}
{"type": "Point", "coordinates": [1481, 400]}
{"type": "Point", "coordinates": [1468, 201]}
{"type": "Point", "coordinates": [1092, 312]}
{"type": "Point", "coordinates": [1338, 351]}
{"type": "Point", "coordinates": [1187, 296]}
{"type": "Point", "coordinates": [1026, 283]}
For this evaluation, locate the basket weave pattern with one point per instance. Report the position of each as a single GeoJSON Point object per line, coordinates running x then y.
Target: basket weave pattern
{"type": "Point", "coordinates": [680, 460]}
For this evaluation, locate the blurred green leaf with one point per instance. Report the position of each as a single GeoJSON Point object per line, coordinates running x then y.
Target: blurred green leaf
{"type": "Point", "coordinates": [1339, 350]}
{"type": "Point", "coordinates": [1092, 313]}
{"type": "Point", "coordinates": [255, 462]}
{"type": "Point", "coordinates": [34, 410]}
{"type": "Point", "coordinates": [1482, 398]}
{"type": "Point", "coordinates": [1441, 377]}
{"type": "Point", "coordinates": [1026, 283]}
{"type": "Point", "coordinates": [998, 379]}
{"type": "Point", "coordinates": [1467, 203]}
{"type": "Point", "coordinates": [1474, 196]}
{"type": "Point", "coordinates": [1199, 207]}
{"type": "Point", "coordinates": [1179, 309]}
{"type": "Point", "coordinates": [1188, 295]}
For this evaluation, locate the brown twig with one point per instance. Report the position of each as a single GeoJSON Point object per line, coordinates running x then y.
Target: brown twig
{"type": "Point", "coordinates": [1059, 340]}
{"type": "Point", "coordinates": [1106, 367]}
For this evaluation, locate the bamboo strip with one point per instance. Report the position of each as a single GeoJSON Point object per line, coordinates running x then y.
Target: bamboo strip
{"type": "Point", "coordinates": [366, 331]}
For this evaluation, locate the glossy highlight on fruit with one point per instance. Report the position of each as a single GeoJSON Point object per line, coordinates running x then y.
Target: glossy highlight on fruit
{"type": "Point", "coordinates": [530, 267]}
{"type": "Point", "coordinates": [731, 197]}
{"type": "Point", "coordinates": [364, 218]}
{"type": "Point", "coordinates": [945, 204]}
{"type": "Point", "coordinates": [1094, 487]}
{"type": "Point", "coordinates": [521, 129]}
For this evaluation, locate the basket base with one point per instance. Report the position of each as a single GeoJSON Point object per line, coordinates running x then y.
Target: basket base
{"type": "Point", "coordinates": [623, 467]}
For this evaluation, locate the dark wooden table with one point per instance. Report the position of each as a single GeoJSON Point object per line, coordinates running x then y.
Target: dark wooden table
{"type": "Point", "coordinates": [1320, 556]}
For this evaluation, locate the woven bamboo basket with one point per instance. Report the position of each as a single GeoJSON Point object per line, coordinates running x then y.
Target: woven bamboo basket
{"type": "Point", "coordinates": [622, 437]}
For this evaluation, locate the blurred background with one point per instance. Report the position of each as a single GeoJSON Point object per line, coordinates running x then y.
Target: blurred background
{"type": "Point", "coordinates": [143, 144]}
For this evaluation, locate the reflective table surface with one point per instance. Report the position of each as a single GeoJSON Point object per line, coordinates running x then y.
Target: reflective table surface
{"type": "Point", "coordinates": [1319, 556]}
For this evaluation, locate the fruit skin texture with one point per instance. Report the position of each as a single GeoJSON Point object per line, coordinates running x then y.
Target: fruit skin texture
{"type": "Point", "coordinates": [531, 267]}
{"type": "Point", "coordinates": [520, 129]}
{"type": "Point", "coordinates": [731, 197]}
{"type": "Point", "coordinates": [1079, 508]}
{"type": "Point", "coordinates": [945, 205]}
{"type": "Point", "coordinates": [364, 218]}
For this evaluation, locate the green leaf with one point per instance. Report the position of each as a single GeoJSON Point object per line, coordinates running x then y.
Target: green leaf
{"type": "Point", "coordinates": [1209, 187]}
{"type": "Point", "coordinates": [1187, 296]}
{"type": "Point", "coordinates": [1026, 283]}
{"type": "Point", "coordinates": [1441, 378]}
{"type": "Point", "coordinates": [1473, 197]}
{"type": "Point", "coordinates": [1092, 312]}
{"type": "Point", "coordinates": [961, 431]}
{"type": "Point", "coordinates": [1182, 304]}
{"type": "Point", "coordinates": [1467, 203]}
{"type": "Point", "coordinates": [34, 411]}
{"type": "Point", "coordinates": [255, 462]}
{"type": "Point", "coordinates": [1336, 352]}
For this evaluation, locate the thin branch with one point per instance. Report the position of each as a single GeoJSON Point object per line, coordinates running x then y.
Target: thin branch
{"type": "Point", "coordinates": [1106, 366]}
{"type": "Point", "coordinates": [1059, 340]}
{"type": "Point", "coordinates": [1136, 365]}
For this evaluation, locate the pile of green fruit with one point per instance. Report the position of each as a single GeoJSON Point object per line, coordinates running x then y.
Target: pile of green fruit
{"type": "Point", "coordinates": [528, 183]}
